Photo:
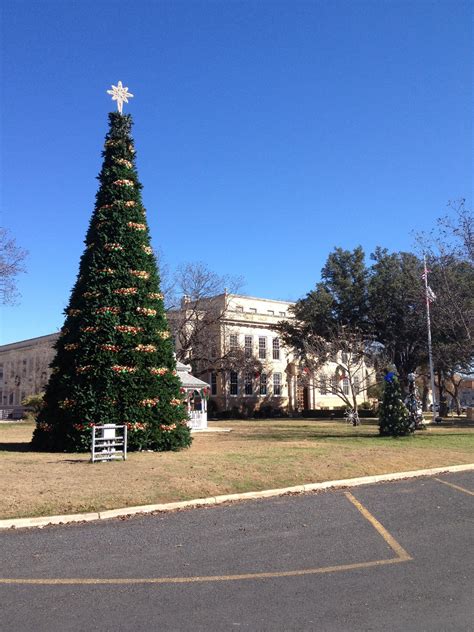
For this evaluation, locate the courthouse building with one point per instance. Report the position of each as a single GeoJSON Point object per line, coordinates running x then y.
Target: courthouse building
{"type": "Point", "coordinates": [248, 367]}
{"type": "Point", "coordinates": [247, 364]}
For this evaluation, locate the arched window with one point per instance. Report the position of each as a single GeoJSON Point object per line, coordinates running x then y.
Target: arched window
{"type": "Point", "coordinates": [345, 386]}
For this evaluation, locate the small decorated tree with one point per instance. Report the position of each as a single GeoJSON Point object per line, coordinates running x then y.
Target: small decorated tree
{"type": "Point", "coordinates": [394, 418]}
{"type": "Point", "coordinates": [114, 360]}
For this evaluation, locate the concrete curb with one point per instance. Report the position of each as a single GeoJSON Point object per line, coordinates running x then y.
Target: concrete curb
{"type": "Point", "coordinates": [43, 521]}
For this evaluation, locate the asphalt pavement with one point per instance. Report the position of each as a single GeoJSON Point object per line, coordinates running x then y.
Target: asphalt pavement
{"type": "Point", "coordinates": [391, 556]}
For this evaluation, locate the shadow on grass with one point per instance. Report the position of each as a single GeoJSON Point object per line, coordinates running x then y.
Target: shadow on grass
{"type": "Point", "coordinates": [73, 461]}
{"type": "Point", "coordinates": [449, 423]}
{"type": "Point", "coordinates": [16, 447]}
{"type": "Point", "coordinates": [295, 435]}
{"type": "Point", "coordinates": [26, 447]}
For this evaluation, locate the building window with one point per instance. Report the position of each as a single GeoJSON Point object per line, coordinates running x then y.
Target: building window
{"type": "Point", "coordinates": [335, 384]}
{"type": "Point", "coordinates": [248, 384]}
{"type": "Point", "coordinates": [213, 351]}
{"type": "Point", "coordinates": [277, 383]}
{"type": "Point", "coordinates": [263, 383]}
{"type": "Point", "coordinates": [12, 398]}
{"type": "Point", "coordinates": [271, 312]}
{"type": "Point", "coordinates": [323, 385]}
{"type": "Point", "coordinates": [356, 385]}
{"type": "Point", "coordinates": [344, 358]}
{"type": "Point", "coordinates": [253, 310]}
{"type": "Point", "coordinates": [213, 383]}
{"type": "Point", "coordinates": [233, 341]}
{"type": "Point", "coordinates": [1, 372]}
{"type": "Point", "coordinates": [262, 348]}
{"type": "Point", "coordinates": [248, 346]}
{"type": "Point", "coordinates": [234, 383]}
{"type": "Point", "coordinates": [345, 386]}
{"type": "Point", "coordinates": [276, 348]}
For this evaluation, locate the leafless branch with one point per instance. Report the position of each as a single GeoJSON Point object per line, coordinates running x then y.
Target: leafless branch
{"type": "Point", "coordinates": [12, 259]}
{"type": "Point", "coordinates": [355, 362]}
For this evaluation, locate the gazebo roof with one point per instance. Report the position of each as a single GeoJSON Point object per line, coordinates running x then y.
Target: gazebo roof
{"type": "Point", "coordinates": [188, 380]}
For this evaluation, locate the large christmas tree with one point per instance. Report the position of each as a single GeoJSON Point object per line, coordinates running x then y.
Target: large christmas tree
{"type": "Point", "coordinates": [114, 360]}
{"type": "Point", "coordinates": [394, 418]}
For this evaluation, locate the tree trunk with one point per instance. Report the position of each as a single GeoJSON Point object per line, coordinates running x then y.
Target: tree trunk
{"type": "Point", "coordinates": [455, 393]}
{"type": "Point", "coordinates": [424, 397]}
{"type": "Point", "coordinates": [443, 406]}
{"type": "Point", "coordinates": [354, 398]}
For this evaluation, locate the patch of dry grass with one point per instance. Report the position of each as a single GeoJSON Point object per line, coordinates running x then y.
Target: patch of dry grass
{"type": "Point", "coordinates": [255, 455]}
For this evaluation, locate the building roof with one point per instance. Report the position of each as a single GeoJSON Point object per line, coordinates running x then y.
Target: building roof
{"type": "Point", "coordinates": [188, 380]}
{"type": "Point", "coordinates": [49, 338]}
{"type": "Point", "coordinates": [259, 298]}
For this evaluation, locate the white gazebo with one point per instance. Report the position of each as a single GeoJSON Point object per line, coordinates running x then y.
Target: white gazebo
{"type": "Point", "coordinates": [197, 393]}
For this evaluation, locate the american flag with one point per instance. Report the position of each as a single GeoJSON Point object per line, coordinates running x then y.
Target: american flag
{"type": "Point", "coordinates": [431, 295]}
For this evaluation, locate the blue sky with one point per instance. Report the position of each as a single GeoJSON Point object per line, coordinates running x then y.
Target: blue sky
{"type": "Point", "coordinates": [267, 133]}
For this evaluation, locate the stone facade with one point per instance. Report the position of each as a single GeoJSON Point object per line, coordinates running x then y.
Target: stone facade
{"type": "Point", "coordinates": [24, 368]}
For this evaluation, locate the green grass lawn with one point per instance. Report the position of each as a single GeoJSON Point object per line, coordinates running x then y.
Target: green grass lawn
{"type": "Point", "coordinates": [256, 455]}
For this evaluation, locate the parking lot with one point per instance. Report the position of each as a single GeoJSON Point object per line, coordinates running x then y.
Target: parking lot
{"type": "Point", "coordinates": [392, 556]}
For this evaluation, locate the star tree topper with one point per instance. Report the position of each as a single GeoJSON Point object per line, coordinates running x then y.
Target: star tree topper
{"type": "Point", "coordinates": [120, 94]}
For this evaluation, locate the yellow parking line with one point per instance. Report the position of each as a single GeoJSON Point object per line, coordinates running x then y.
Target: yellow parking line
{"type": "Point", "coordinates": [191, 580]}
{"type": "Point", "coordinates": [402, 556]}
{"type": "Point", "coordinates": [390, 540]}
{"type": "Point", "coordinates": [461, 489]}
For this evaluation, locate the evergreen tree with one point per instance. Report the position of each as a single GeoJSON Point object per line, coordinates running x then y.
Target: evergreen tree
{"type": "Point", "coordinates": [114, 360]}
{"type": "Point", "coordinates": [394, 418]}
{"type": "Point", "coordinates": [397, 309]}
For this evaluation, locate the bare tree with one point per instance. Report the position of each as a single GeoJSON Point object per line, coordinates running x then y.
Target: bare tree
{"type": "Point", "coordinates": [452, 385]}
{"type": "Point", "coordinates": [12, 259]}
{"type": "Point", "coordinates": [450, 253]}
{"type": "Point", "coordinates": [235, 359]}
{"type": "Point", "coordinates": [198, 301]}
{"type": "Point", "coordinates": [355, 358]}
{"type": "Point", "coordinates": [456, 231]}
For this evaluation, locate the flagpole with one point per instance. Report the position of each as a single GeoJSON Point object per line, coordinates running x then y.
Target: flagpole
{"type": "Point", "coordinates": [430, 349]}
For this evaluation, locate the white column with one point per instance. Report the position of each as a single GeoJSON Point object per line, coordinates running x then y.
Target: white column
{"type": "Point", "coordinates": [311, 394]}
{"type": "Point", "coordinates": [204, 412]}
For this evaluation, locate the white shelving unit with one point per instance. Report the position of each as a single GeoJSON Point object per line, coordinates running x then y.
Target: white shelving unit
{"type": "Point", "coordinates": [109, 443]}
